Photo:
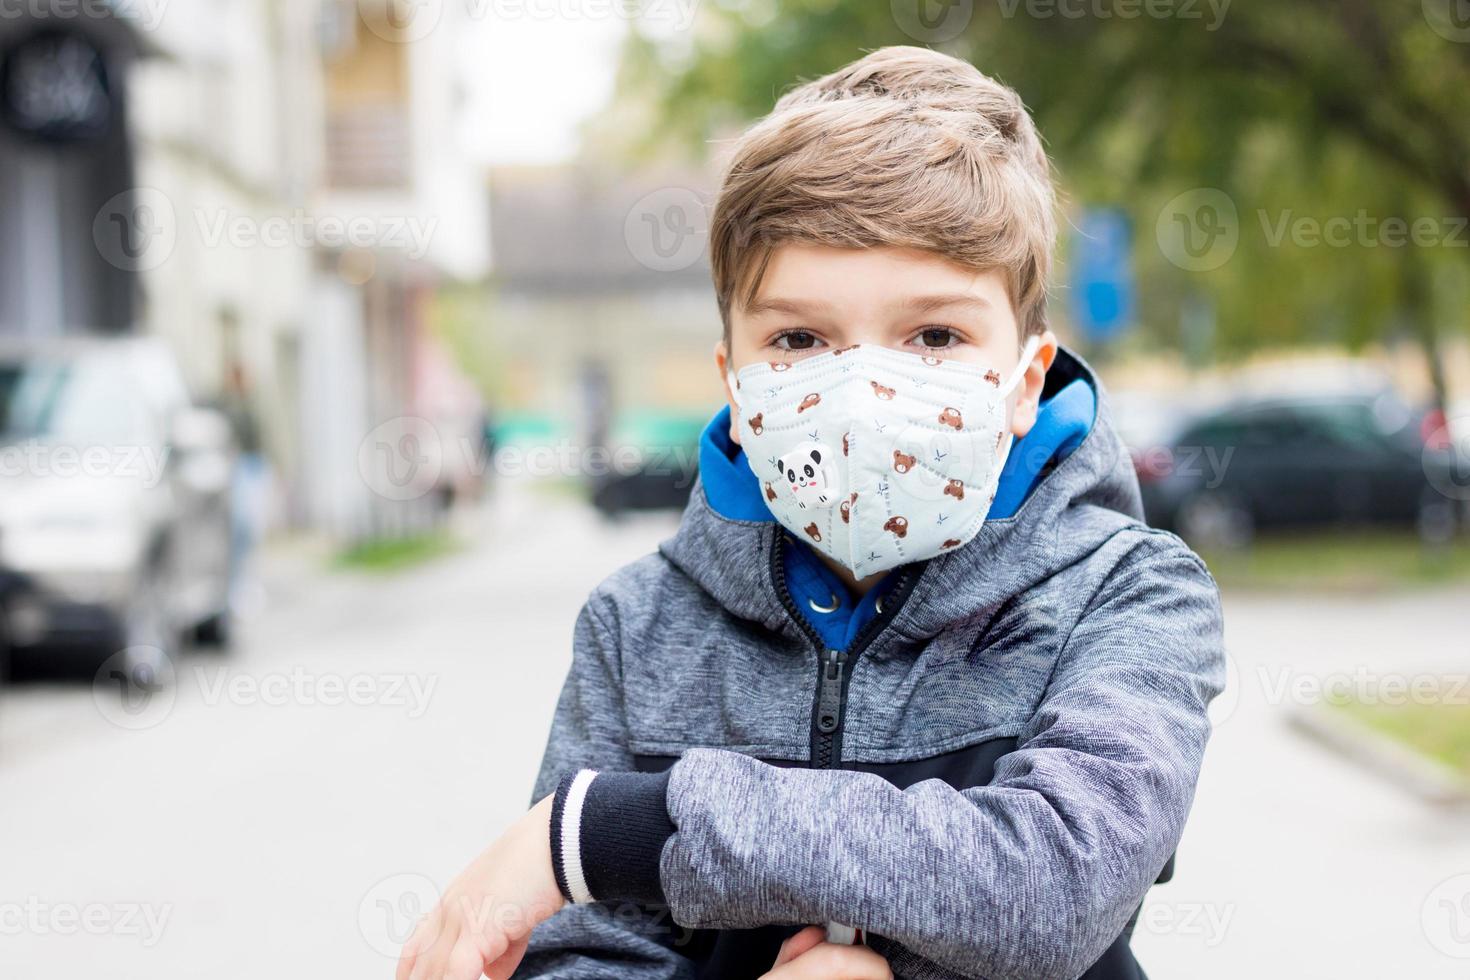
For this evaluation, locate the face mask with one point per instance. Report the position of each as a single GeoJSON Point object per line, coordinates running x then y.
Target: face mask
{"type": "Point", "coordinates": [874, 456]}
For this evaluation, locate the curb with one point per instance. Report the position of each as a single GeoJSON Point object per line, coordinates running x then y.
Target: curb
{"type": "Point", "coordinates": [1431, 781]}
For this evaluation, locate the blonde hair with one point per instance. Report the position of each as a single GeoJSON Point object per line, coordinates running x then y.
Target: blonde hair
{"type": "Point", "coordinates": [905, 147]}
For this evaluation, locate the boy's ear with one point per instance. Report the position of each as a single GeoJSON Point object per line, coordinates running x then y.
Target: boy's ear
{"type": "Point", "coordinates": [1028, 390]}
{"type": "Point", "coordinates": [722, 364]}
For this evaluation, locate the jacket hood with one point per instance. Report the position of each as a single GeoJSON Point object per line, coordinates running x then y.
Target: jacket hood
{"type": "Point", "coordinates": [1085, 499]}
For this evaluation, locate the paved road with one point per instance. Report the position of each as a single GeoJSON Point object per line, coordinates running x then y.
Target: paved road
{"type": "Point", "coordinates": [287, 809]}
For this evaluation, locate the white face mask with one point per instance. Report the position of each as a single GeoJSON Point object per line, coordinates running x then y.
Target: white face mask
{"type": "Point", "coordinates": [874, 456]}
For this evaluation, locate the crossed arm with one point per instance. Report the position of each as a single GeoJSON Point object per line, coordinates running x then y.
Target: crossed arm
{"type": "Point", "coordinates": [1030, 876]}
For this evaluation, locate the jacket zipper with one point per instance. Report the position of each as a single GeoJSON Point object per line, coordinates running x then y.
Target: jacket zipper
{"type": "Point", "coordinates": [832, 665]}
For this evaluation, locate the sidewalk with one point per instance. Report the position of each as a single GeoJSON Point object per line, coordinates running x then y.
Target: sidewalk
{"type": "Point", "coordinates": [301, 836]}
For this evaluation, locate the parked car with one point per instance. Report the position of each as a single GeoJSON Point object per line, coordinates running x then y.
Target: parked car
{"type": "Point", "coordinates": [114, 500]}
{"type": "Point", "coordinates": [664, 450]}
{"type": "Point", "coordinates": [1328, 459]}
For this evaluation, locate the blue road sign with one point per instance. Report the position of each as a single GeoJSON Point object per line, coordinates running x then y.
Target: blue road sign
{"type": "Point", "coordinates": [1102, 291]}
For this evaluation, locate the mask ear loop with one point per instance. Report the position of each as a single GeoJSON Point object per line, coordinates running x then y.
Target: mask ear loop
{"type": "Point", "coordinates": [1027, 353]}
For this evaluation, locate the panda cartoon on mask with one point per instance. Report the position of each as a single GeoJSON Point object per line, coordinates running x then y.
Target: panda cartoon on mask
{"type": "Point", "coordinates": [810, 475]}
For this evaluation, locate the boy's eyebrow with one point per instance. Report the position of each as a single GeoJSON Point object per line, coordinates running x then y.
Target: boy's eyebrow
{"type": "Point", "coordinates": [794, 307]}
{"type": "Point", "coordinates": [928, 304]}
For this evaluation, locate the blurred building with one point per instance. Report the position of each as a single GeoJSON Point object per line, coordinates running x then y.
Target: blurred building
{"type": "Point", "coordinates": [275, 186]}
{"type": "Point", "coordinates": [603, 315]}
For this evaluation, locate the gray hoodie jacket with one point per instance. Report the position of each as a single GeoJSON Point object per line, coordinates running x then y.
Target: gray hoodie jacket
{"type": "Point", "coordinates": [1013, 755]}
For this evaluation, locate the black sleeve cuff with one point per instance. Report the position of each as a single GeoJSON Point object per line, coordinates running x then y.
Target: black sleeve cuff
{"type": "Point", "coordinates": [624, 824]}
{"type": "Point", "coordinates": [558, 814]}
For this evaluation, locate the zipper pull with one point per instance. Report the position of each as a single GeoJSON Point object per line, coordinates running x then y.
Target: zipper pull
{"type": "Point", "coordinates": [829, 705]}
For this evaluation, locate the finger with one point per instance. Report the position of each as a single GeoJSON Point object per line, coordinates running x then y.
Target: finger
{"type": "Point", "coordinates": [797, 944]}
{"type": "Point", "coordinates": [465, 961]}
{"type": "Point", "coordinates": [506, 964]}
{"type": "Point", "coordinates": [431, 963]}
{"type": "Point", "coordinates": [828, 962]}
{"type": "Point", "coordinates": [417, 942]}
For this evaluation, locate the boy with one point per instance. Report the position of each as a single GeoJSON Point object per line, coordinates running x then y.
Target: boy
{"type": "Point", "coordinates": [912, 665]}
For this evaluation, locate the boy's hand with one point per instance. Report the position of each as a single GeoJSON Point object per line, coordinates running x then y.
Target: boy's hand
{"type": "Point", "coordinates": [486, 915]}
{"type": "Point", "coordinates": [806, 957]}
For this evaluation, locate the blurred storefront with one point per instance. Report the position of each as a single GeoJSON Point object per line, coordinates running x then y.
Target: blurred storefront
{"type": "Point", "coordinates": [275, 187]}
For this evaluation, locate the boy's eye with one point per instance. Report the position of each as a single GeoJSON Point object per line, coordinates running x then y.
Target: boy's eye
{"type": "Point", "coordinates": [936, 337]}
{"type": "Point", "coordinates": [796, 340]}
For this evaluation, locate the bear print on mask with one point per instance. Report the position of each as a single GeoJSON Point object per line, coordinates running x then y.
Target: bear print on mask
{"type": "Point", "coordinates": [882, 391]}
{"type": "Point", "coordinates": [770, 492]}
{"type": "Point", "coordinates": [955, 489]}
{"type": "Point", "coordinates": [808, 473]}
{"type": "Point", "coordinates": [950, 543]}
{"type": "Point", "coordinates": [902, 462]}
{"type": "Point", "coordinates": [951, 418]}
{"type": "Point", "coordinates": [898, 525]}
{"type": "Point", "coordinates": [844, 442]}
{"type": "Point", "coordinates": [756, 422]}
{"type": "Point", "coordinates": [993, 377]}
{"type": "Point", "coordinates": [808, 402]}
{"type": "Point", "coordinates": [815, 534]}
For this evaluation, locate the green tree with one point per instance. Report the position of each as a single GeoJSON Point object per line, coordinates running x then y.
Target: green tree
{"type": "Point", "coordinates": [1306, 114]}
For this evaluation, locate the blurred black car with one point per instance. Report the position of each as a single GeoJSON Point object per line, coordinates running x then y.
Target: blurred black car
{"type": "Point", "coordinates": [1297, 462]}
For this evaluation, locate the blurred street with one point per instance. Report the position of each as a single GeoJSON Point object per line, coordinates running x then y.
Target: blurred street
{"type": "Point", "coordinates": [283, 811]}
